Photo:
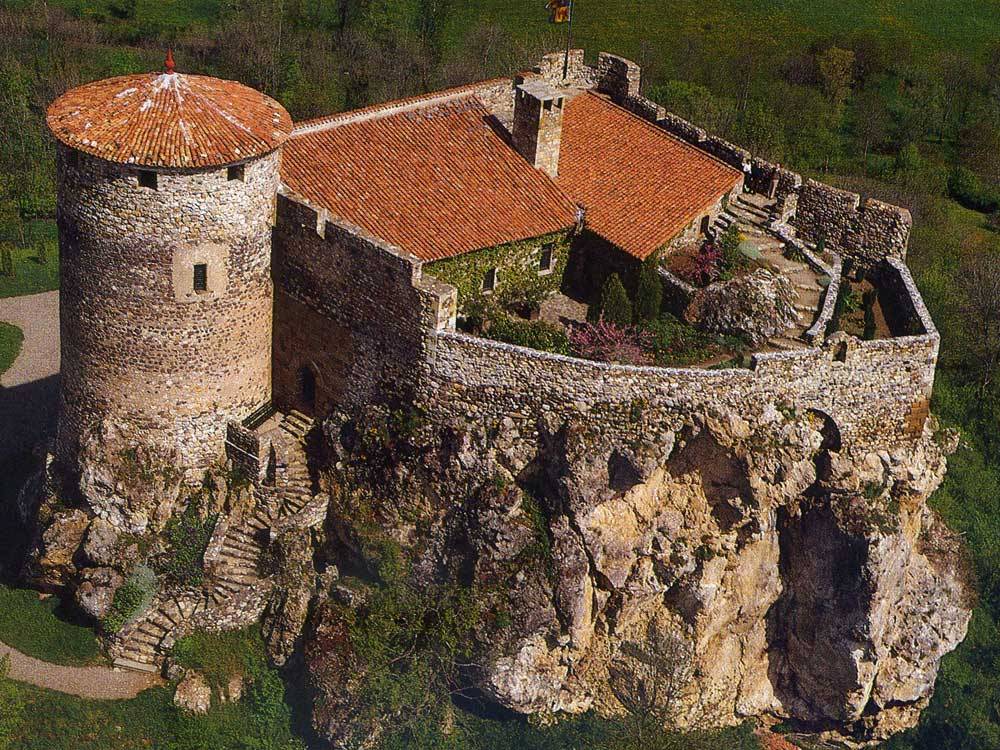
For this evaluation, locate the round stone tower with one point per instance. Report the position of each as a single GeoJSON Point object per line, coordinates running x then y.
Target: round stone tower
{"type": "Point", "coordinates": [166, 191]}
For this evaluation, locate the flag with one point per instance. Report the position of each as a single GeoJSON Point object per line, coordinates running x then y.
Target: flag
{"type": "Point", "coordinates": [559, 10]}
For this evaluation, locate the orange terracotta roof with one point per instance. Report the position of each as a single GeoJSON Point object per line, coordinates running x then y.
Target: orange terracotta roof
{"type": "Point", "coordinates": [169, 120]}
{"type": "Point", "coordinates": [640, 185]}
{"type": "Point", "coordinates": [434, 179]}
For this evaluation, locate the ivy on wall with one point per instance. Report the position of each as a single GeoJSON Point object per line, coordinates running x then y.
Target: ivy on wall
{"type": "Point", "coordinates": [518, 269]}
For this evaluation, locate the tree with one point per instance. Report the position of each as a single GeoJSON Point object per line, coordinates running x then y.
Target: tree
{"type": "Point", "coordinates": [615, 305]}
{"type": "Point", "coordinates": [980, 284]}
{"type": "Point", "coordinates": [836, 70]}
{"type": "Point", "coordinates": [872, 122]}
{"type": "Point", "coordinates": [649, 293]}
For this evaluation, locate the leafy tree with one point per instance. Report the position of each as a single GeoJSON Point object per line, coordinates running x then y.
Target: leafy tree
{"type": "Point", "coordinates": [649, 293]}
{"type": "Point", "coordinates": [836, 70]}
{"type": "Point", "coordinates": [615, 305]}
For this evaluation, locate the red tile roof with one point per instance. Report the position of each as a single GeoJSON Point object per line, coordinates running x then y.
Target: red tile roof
{"type": "Point", "coordinates": [169, 120]}
{"type": "Point", "coordinates": [640, 185]}
{"type": "Point", "coordinates": [433, 178]}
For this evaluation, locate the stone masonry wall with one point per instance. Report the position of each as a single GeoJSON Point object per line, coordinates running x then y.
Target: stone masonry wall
{"type": "Point", "coordinates": [143, 355]}
{"type": "Point", "coordinates": [869, 388]}
{"type": "Point", "coordinates": [863, 232]}
{"type": "Point", "coordinates": [347, 303]}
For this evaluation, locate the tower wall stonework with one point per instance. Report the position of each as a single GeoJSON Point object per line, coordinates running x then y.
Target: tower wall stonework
{"type": "Point", "coordinates": [146, 356]}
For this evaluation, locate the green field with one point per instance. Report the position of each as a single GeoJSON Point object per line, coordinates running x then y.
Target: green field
{"type": "Point", "coordinates": [36, 263]}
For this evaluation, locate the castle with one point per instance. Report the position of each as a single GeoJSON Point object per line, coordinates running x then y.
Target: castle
{"type": "Point", "coordinates": [220, 263]}
{"type": "Point", "coordinates": [231, 279]}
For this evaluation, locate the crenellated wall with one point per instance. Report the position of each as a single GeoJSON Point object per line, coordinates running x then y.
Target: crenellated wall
{"type": "Point", "coordinates": [864, 232]}
{"type": "Point", "coordinates": [380, 330]}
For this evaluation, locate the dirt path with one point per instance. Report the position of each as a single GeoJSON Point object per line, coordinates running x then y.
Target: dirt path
{"type": "Point", "coordinates": [98, 683]}
{"type": "Point", "coordinates": [29, 389]}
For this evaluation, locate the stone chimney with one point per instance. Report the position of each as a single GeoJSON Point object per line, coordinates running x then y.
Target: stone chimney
{"type": "Point", "coordinates": [538, 119]}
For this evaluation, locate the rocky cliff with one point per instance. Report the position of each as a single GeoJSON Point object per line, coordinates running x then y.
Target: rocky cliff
{"type": "Point", "coordinates": [747, 572]}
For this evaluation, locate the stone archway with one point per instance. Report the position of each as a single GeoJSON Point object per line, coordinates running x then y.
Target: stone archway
{"type": "Point", "coordinates": [832, 440]}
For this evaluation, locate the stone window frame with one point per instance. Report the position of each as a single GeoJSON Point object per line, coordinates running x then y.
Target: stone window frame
{"type": "Point", "coordinates": [491, 280]}
{"type": "Point", "coordinates": [543, 269]}
{"type": "Point", "coordinates": [236, 173]}
{"type": "Point", "coordinates": [214, 257]}
{"type": "Point", "coordinates": [148, 179]}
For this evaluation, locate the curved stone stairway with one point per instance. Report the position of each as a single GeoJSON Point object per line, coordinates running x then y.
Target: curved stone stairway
{"type": "Point", "coordinates": [752, 214]}
{"type": "Point", "coordinates": [235, 590]}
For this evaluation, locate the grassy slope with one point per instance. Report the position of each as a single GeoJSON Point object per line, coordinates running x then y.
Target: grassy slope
{"type": "Point", "coordinates": [11, 339]}
{"type": "Point", "coordinates": [37, 628]}
{"type": "Point", "coordinates": [618, 26]}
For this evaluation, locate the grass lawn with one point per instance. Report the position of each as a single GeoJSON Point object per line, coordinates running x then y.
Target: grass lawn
{"type": "Point", "coordinates": [34, 274]}
{"type": "Point", "coordinates": [11, 339]}
{"type": "Point", "coordinates": [148, 721]}
{"type": "Point", "coordinates": [38, 628]}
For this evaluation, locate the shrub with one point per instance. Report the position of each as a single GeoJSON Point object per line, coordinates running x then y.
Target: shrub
{"type": "Point", "coordinates": [187, 538]}
{"type": "Point", "coordinates": [705, 267]}
{"type": "Point", "coordinates": [649, 294]}
{"type": "Point", "coordinates": [132, 597]}
{"type": "Point", "coordinates": [728, 244]}
{"type": "Point", "coordinates": [967, 188]}
{"type": "Point", "coordinates": [607, 342]}
{"type": "Point", "coordinates": [615, 305]}
{"type": "Point", "coordinates": [6, 261]}
{"type": "Point", "coordinates": [534, 334]}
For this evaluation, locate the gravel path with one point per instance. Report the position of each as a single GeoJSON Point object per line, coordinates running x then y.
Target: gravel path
{"type": "Point", "coordinates": [29, 389]}
{"type": "Point", "coordinates": [98, 683]}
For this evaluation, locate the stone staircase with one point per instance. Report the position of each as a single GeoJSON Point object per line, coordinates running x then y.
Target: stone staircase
{"type": "Point", "coordinates": [752, 213]}
{"type": "Point", "coordinates": [235, 589]}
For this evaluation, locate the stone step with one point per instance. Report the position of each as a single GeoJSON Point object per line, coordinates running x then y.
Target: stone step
{"type": "Point", "coordinates": [134, 666]}
{"type": "Point", "coordinates": [782, 342]}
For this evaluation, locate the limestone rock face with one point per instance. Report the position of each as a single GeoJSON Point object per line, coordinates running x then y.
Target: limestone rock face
{"type": "Point", "coordinates": [193, 694]}
{"type": "Point", "coordinates": [134, 488]}
{"type": "Point", "coordinates": [99, 546]}
{"type": "Point", "coordinates": [783, 577]}
{"type": "Point", "coordinates": [54, 565]}
{"type": "Point", "coordinates": [756, 306]}
{"type": "Point", "coordinates": [96, 590]}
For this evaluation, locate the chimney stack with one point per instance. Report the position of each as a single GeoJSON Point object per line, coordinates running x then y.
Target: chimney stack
{"type": "Point", "coordinates": [538, 119]}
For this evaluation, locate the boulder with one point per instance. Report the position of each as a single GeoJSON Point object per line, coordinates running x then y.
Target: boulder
{"type": "Point", "coordinates": [193, 694]}
{"type": "Point", "coordinates": [96, 590]}
{"type": "Point", "coordinates": [756, 306]}
{"type": "Point", "coordinates": [55, 564]}
{"type": "Point", "coordinates": [99, 546]}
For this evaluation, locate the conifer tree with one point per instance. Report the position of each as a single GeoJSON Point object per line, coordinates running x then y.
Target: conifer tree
{"type": "Point", "coordinates": [649, 294]}
{"type": "Point", "coordinates": [615, 305]}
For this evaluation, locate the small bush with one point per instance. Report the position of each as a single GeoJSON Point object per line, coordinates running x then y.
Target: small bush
{"type": "Point", "coordinates": [704, 267]}
{"type": "Point", "coordinates": [607, 342]}
{"type": "Point", "coordinates": [6, 261]}
{"type": "Point", "coordinates": [534, 334]}
{"type": "Point", "coordinates": [649, 294]}
{"type": "Point", "coordinates": [130, 599]}
{"type": "Point", "coordinates": [615, 305]}
{"type": "Point", "coordinates": [967, 188]}
{"type": "Point", "coordinates": [728, 244]}
{"type": "Point", "coordinates": [187, 536]}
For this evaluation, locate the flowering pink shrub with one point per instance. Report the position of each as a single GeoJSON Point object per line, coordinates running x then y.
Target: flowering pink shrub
{"type": "Point", "coordinates": [705, 267]}
{"type": "Point", "coordinates": [607, 342]}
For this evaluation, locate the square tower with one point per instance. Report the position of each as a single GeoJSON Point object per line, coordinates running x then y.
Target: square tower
{"type": "Point", "coordinates": [538, 121]}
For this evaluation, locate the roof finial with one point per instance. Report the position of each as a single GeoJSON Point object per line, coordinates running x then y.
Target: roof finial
{"type": "Point", "coordinates": [170, 60]}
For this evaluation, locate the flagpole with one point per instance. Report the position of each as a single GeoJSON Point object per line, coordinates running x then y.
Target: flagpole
{"type": "Point", "coordinates": [569, 41]}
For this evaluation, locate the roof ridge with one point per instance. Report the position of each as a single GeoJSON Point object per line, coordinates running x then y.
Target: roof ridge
{"type": "Point", "coordinates": [391, 107]}
{"type": "Point", "coordinates": [658, 129]}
